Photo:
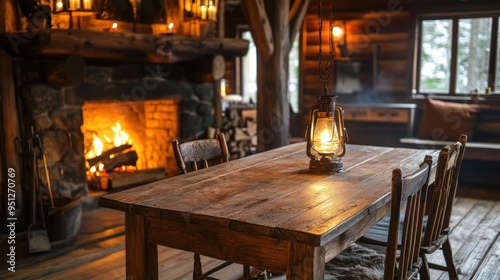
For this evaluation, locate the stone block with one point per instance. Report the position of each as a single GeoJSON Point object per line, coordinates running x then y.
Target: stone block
{"type": "Point", "coordinates": [71, 98]}
{"type": "Point", "coordinates": [190, 104]}
{"type": "Point", "coordinates": [42, 122]}
{"type": "Point", "coordinates": [207, 122]}
{"type": "Point", "coordinates": [204, 91]}
{"type": "Point", "coordinates": [191, 124]}
{"type": "Point", "coordinates": [55, 145]}
{"type": "Point", "coordinates": [42, 98]}
{"type": "Point", "coordinates": [98, 74]}
{"type": "Point", "coordinates": [67, 118]}
{"type": "Point", "coordinates": [205, 109]}
{"type": "Point", "coordinates": [127, 72]}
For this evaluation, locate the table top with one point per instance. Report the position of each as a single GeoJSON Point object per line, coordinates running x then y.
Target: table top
{"type": "Point", "coordinates": [272, 194]}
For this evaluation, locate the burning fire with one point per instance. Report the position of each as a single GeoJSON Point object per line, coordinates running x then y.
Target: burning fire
{"type": "Point", "coordinates": [121, 137]}
{"type": "Point", "coordinates": [97, 174]}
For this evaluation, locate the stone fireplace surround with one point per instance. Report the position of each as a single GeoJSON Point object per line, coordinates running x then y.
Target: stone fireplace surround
{"type": "Point", "coordinates": [154, 101]}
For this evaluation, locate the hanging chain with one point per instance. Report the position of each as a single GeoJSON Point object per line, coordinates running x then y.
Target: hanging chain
{"type": "Point", "coordinates": [325, 72]}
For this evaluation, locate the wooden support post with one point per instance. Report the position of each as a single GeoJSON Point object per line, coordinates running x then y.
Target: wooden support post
{"type": "Point", "coordinates": [9, 21]}
{"type": "Point", "coordinates": [273, 38]}
{"type": "Point", "coordinates": [221, 20]}
{"type": "Point", "coordinates": [272, 81]}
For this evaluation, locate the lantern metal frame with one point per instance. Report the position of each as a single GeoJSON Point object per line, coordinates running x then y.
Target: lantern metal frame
{"type": "Point", "coordinates": [328, 162]}
{"type": "Point", "coordinates": [325, 148]}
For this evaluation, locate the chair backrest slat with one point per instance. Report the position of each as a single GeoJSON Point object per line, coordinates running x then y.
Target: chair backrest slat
{"type": "Point", "coordinates": [200, 153]}
{"type": "Point", "coordinates": [409, 191]}
{"type": "Point", "coordinates": [443, 190]}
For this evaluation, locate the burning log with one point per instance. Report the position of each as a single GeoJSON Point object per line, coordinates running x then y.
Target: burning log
{"type": "Point", "coordinates": [140, 177]}
{"type": "Point", "coordinates": [105, 155]}
{"type": "Point", "coordinates": [129, 158]}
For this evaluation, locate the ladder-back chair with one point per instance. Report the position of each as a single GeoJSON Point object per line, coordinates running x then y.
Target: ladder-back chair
{"type": "Point", "coordinates": [437, 228]}
{"type": "Point", "coordinates": [438, 212]}
{"type": "Point", "coordinates": [198, 154]}
{"type": "Point", "coordinates": [409, 193]}
{"type": "Point", "coordinates": [195, 155]}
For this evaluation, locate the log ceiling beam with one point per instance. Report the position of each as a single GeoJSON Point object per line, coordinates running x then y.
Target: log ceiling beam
{"type": "Point", "coordinates": [112, 46]}
{"type": "Point", "coordinates": [256, 16]}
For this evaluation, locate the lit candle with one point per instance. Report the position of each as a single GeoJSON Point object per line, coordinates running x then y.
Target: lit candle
{"type": "Point", "coordinates": [211, 12]}
{"type": "Point", "coordinates": [113, 27]}
{"type": "Point", "coordinates": [170, 28]}
{"type": "Point", "coordinates": [203, 12]}
{"type": "Point", "coordinates": [74, 4]}
{"type": "Point", "coordinates": [59, 6]}
{"type": "Point", "coordinates": [87, 4]}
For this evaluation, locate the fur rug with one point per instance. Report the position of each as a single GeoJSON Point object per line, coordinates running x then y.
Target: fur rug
{"type": "Point", "coordinates": [354, 263]}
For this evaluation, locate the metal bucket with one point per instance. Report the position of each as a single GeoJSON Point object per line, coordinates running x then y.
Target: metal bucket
{"type": "Point", "coordinates": [64, 220]}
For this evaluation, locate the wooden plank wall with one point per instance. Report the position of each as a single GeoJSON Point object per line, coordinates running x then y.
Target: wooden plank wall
{"type": "Point", "coordinates": [377, 35]}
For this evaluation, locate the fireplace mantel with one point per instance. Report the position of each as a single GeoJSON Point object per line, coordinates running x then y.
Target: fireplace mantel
{"type": "Point", "coordinates": [118, 46]}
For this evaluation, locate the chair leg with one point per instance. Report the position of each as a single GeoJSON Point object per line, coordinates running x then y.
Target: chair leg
{"type": "Point", "coordinates": [424, 269]}
{"type": "Point", "coordinates": [197, 268]}
{"type": "Point", "coordinates": [448, 257]}
{"type": "Point", "coordinates": [246, 272]}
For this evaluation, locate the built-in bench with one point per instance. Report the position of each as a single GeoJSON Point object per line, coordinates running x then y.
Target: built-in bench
{"type": "Point", "coordinates": [481, 165]}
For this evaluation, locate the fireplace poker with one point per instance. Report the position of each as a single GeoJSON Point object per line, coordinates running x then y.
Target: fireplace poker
{"type": "Point", "coordinates": [52, 210]}
{"type": "Point", "coordinates": [37, 233]}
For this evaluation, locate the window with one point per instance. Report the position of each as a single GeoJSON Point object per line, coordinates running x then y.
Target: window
{"type": "Point", "coordinates": [456, 55]}
{"type": "Point", "coordinates": [249, 70]}
{"type": "Point", "coordinates": [249, 73]}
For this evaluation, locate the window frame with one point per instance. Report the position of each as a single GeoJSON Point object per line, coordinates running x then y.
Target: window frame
{"type": "Point", "coordinates": [455, 17]}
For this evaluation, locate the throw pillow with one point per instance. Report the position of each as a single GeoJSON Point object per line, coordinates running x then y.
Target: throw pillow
{"type": "Point", "coordinates": [446, 121]}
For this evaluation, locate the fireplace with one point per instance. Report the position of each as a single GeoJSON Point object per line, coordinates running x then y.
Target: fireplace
{"type": "Point", "coordinates": [145, 102]}
{"type": "Point", "coordinates": [129, 138]}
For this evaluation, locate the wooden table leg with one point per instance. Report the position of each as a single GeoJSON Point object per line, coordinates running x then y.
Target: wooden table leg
{"type": "Point", "coordinates": [141, 256]}
{"type": "Point", "coordinates": [305, 262]}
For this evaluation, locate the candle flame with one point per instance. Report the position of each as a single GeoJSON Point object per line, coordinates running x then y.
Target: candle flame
{"type": "Point", "coordinates": [114, 25]}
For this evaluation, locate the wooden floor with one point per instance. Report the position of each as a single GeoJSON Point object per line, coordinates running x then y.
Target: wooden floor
{"type": "Point", "coordinates": [99, 251]}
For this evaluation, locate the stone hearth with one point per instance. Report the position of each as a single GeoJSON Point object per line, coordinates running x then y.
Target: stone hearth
{"type": "Point", "coordinates": [150, 102]}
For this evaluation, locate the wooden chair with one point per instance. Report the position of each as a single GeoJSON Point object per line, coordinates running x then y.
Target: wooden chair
{"type": "Point", "coordinates": [195, 155]}
{"type": "Point", "coordinates": [408, 192]}
{"type": "Point", "coordinates": [437, 228]}
{"type": "Point", "coordinates": [198, 154]}
{"type": "Point", "coordinates": [438, 212]}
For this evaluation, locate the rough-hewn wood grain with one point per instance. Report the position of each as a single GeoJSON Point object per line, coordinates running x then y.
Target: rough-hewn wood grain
{"type": "Point", "coordinates": [106, 256]}
{"type": "Point", "coordinates": [255, 13]}
{"type": "Point", "coordinates": [118, 46]}
{"type": "Point", "coordinates": [266, 199]}
{"type": "Point", "coordinates": [142, 256]}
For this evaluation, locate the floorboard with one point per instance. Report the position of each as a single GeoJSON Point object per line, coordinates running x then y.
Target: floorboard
{"type": "Point", "coordinates": [99, 251]}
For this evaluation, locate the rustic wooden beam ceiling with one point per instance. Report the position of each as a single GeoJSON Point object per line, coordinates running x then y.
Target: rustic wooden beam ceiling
{"type": "Point", "coordinates": [118, 46]}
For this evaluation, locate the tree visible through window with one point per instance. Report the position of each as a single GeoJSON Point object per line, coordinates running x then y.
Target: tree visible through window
{"type": "Point", "coordinates": [460, 66]}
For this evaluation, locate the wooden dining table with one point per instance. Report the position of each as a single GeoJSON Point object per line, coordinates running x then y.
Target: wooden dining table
{"type": "Point", "coordinates": [265, 210]}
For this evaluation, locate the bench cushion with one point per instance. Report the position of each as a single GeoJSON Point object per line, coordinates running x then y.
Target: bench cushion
{"type": "Point", "coordinates": [447, 120]}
